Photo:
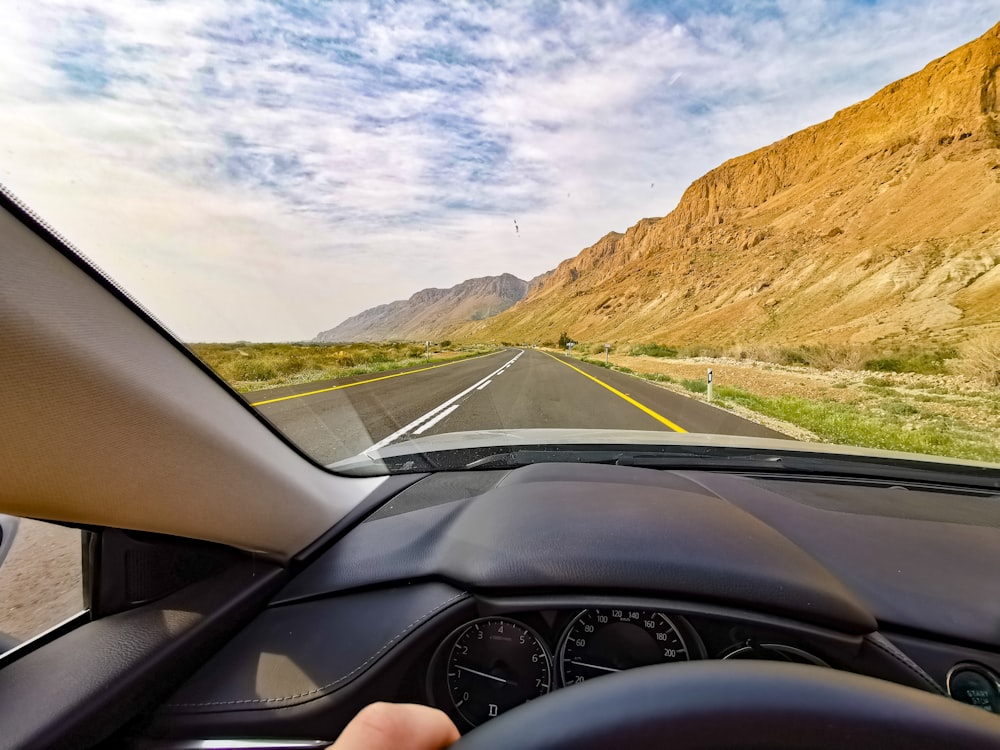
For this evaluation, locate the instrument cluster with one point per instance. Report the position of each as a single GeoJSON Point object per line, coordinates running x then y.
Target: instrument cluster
{"type": "Point", "coordinates": [491, 664]}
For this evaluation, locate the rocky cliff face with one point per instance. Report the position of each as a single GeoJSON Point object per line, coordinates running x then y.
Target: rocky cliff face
{"type": "Point", "coordinates": [430, 312]}
{"type": "Point", "coordinates": [882, 223]}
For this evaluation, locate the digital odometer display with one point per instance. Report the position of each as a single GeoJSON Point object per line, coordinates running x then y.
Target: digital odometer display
{"type": "Point", "coordinates": [602, 641]}
{"type": "Point", "coordinates": [494, 665]}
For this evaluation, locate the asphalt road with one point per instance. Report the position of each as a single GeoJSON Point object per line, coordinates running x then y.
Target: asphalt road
{"type": "Point", "coordinates": [510, 389]}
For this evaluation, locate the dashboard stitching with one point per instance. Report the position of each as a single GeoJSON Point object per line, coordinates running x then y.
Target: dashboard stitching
{"type": "Point", "coordinates": [329, 685]}
{"type": "Point", "coordinates": [882, 644]}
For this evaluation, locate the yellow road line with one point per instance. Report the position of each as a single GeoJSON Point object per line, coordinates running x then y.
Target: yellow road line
{"type": "Point", "coordinates": [370, 380]}
{"type": "Point", "coordinates": [636, 404]}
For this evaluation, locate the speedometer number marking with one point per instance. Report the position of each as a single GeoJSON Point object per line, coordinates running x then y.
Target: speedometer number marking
{"type": "Point", "coordinates": [600, 641]}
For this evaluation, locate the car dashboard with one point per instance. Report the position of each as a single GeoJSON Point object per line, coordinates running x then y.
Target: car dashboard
{"type": "Point", "coordinates": [476, 591]}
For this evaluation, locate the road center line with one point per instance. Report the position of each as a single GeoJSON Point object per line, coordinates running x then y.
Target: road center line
{"type": "Point", "coordinates": [484, 385]}
{"type": "Point", "coordinates": [659, 418]}
{"type": "Point", "coordinates": [438, 409]}
{"type": "Point", "coordinates": [370, 380]}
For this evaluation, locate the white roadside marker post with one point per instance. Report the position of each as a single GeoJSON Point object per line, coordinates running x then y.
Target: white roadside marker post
{"type": "Point", "coordinates": [607, 348]}
{"type": "Point", "coordinates": [709, 383]}
{"type": "Point", "coordinates": [569, 348]}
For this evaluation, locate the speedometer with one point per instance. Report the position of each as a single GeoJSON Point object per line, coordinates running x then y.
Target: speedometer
{"type": "Point", "coordinates": [601, 641]}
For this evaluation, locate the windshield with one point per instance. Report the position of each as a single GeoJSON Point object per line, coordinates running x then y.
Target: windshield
{"type": "Point", "coordinates": [396, 228]}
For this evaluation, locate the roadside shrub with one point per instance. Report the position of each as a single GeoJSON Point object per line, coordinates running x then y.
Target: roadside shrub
{"type": "Point", "coordinates": [933, 362]}
{"type": "Point", "coordinates": [886, 364]}
{"type": "Point", "coordinates": [343, 359]}
{"type": "Point", "coordinates": [879, 382]}
{"type": "Point", "coordinates": [824, 357]}
{"type": "Point", "coordinates": [653, 350]}
{"type": "Point", "coordinates": [793, 357]}
{"type": "Point", "coordinates": [981, 360]}
{"type": "Point", "coordinates": [289, 366]}
{"type": "Point", "coordinates": [250, 369]}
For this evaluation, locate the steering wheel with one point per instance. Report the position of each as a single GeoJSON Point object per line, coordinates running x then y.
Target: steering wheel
{"type": "Point", "coordinates": [737, 704]}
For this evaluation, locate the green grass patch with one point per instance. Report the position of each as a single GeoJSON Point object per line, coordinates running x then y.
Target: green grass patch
{"type": "Point", "coordinates": [653, 350]}
{"type": "Point", "coordinates": [899, 408]}
{"type": "Point", "coordinates": [696, 386]}
{"type": "Point", "coordinates": [656, 377]}
{"type": "Point", "coordinates": [848, 424]}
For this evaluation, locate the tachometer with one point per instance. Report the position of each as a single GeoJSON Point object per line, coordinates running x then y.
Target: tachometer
{"type": "Point", "coordinates": [601, 641]}
{"type": "Point", "coordinates": [496, 664]}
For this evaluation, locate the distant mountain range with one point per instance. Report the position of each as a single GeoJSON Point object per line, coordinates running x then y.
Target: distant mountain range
{"type": "Point", "coordinates": [880, 224]}
{"type": "Point", "coordinates": [430, 313]}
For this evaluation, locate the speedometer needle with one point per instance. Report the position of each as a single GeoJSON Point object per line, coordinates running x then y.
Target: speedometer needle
{"type": "Point", "coordinates": [483, 674]}
{"type": "Point", "coordinates": [594, 666]}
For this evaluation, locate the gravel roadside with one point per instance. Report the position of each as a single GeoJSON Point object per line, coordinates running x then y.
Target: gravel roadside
{"type": "Point", "coordinates": [40, 581]}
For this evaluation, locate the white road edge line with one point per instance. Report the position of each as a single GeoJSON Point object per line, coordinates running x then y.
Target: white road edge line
{"type": "Point", "coordinates": [437, 409]}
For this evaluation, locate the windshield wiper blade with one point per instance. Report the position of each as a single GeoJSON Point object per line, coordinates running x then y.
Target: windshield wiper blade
{"type": "Point", "coordinates": [686, 459]}
{"type": "Point", "coordinates": [671, 458]}
{"type": "Point", "coordinates": [525, 456]}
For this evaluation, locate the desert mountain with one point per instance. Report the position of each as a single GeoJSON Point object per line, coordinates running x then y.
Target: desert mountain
{"type": "Point", "coordinates": [882, 223]}
{"type": "Point", "coordinates": [429, 312]}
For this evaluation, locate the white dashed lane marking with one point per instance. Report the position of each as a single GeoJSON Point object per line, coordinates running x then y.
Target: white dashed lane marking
{"type": "Point", "coordinates": [438, 413]}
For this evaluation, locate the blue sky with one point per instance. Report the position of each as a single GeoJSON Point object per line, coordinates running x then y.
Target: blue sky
{"type": "Point", "coordinates": [262, 169]}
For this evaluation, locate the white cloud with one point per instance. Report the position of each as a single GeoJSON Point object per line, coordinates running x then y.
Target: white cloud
{"type": "Point", "coordinates": [262, 170]}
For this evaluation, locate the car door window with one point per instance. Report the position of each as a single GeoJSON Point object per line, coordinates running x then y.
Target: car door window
{"type": "Point", "coordinates": [40, 578]}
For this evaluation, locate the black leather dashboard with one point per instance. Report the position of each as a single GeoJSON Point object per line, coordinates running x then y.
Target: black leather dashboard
{"type": "Point", "coordinates": [852, 570]}
{"type": "Point", "coordinates": [595, 528]}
